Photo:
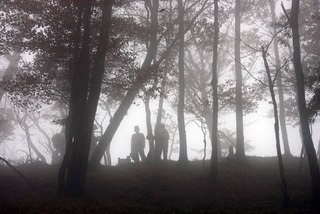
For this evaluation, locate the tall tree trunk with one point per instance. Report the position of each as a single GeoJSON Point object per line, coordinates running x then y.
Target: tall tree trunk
{"type": "Point", "coordinates": [77, 165]}
{"type": "Point", "coordinates": [154, 7]}
{"type": "Point", "coordinates": [162, 93]}
{"type": "Point", "coordinates": [318, 151]}
{"type": "Point", "coordinates": [75, 149]}
{"type": "Point", "coordinates": [214, 82]}
{"type": "Point", "coordinates": [282, 120]}
{"type": "Point", "coordinates": [68, 124]}
{"type": "Point", "coordinates": [150, 136]}
{"type": "Point", "coordinates": [284, 188]}
{"type": "Point", "coordinates": [295, 92]}
{"type": "Point", "coordinates": [240, 152]}
{"type": "Point", "coordinates": [183, 155]}
{"type": "Point", "coordinates": [307, 140]}
{"type": "Point", "coordinates": [165, 73]}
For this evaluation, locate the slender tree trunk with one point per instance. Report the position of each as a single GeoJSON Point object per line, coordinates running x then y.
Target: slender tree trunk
{"type": "Point", "coordinates": [108, 154]}
{"type": "Point", "coordinates": [32, 146]}
{"type": "Point", "coordinates": [150, 136]}
{"type": "Point", "coordinates": [36, 122]}
{"type": "Point", "coordinates": [240, 152]}
{"type": "Point", "coordinates": [307, 140]}
{"type": "Point", "coordinates": [284, 188]}
{"type": "Point", "coordinates": [26, 128]}
{"type": "Point", "coordinates": [214, 82]}
{"type": "Point", "coordinates": [282, 120]}
{"type": "Point", "coordinates": [318, 151]}
{"type": "Point", "coordinates": [154, 7]}
{"type": "Point", "coordinates": [172, 143]}
{"type": "Point", "coordinates": [295, 92]}
{"type": "Point", "coordinates": [164, 77]}
{"type": "Point", "coordinates": [162, 93]}
{"type": "Point", "coordinates": [69, 129]}
{"type": "Point", "coordinates": [183, 155]}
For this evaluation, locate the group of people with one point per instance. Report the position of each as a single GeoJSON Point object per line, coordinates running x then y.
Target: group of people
{"type": "Point", "coordinates": [161, 139]}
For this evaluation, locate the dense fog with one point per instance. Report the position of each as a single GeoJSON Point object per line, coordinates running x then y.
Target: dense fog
{"type": "Point", "coordinates": [109, 90]}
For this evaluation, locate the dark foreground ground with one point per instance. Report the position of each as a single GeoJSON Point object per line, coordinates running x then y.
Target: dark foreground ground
{"type": "Point", "coordinates": [165, 188]}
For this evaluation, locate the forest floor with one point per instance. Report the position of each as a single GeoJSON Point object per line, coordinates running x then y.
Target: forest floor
{"type": "Point", "coordinates": [163, 188]}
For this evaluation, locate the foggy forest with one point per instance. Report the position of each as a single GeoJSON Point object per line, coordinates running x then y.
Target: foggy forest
{"type": "Point", "coordinates": [159, 106]}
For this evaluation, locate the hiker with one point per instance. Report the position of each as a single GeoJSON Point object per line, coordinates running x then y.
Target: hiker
{"type": "Point", "coordinates": [137, 145]}
{"type": "Point", "coordinates": [161, 137]}
{"type": "Point", "coordinates": [59, 144]}
{"type": "Point", "coordinates": [94, 140]}
{"type": "Point", "coordinates": [93, 143]}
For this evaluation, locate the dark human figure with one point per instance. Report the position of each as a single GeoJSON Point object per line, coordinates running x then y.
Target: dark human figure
{"type": "Point", "coordinates": [161, 137]}
{"type": "Point", "coordinates": [94, 140]}
{"type": "Point", "coordinates": [231, 152]}
{"type": "Point", "coordinates": [137, 145]}
{"type": "Point", "coordinates": [93, 143]}
{"type": "Point", "coordinates": [59, 144]}
{"type": "Point", "coordinates": [231, 156]}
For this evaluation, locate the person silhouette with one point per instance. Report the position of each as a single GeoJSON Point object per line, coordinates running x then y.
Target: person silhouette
{"type": "Point", "coordinates": [137, 145]}
{"type": "Point", "coordinates": [161, 136]}
{"type": "Point", "coordinates": [59, 144]}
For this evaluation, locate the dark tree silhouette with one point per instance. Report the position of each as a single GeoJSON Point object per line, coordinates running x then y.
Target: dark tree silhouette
{"type": "Point", "coordinates": [214, 82]}
{"type": "Point", "coordinates": [153, 35]}
{"type": "Point", "coordinates": [285, 202]}
{"type": "Point", "coordinates": [304, 120]}
{"type": "Point", "coordinates": [85, 94]}
{"type": "Point", "coordinates": [282, 119]}
{"type": "Point", "coordinates": [240, 152]}
{"type": "Point", "coordinates": [183, 155]}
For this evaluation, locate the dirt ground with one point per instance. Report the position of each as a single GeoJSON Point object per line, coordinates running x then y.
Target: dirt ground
{"type": "Point", "coordinates": [163, 188]}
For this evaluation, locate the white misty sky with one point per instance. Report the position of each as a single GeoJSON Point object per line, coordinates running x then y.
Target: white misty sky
{"type": "Point", "coordinates": [259, 133]}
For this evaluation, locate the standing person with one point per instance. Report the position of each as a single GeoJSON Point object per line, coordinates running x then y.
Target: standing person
{"type": "Point", "coordinates": [137, 145]}
{"type": "Point", "coordinates": [59, 144]}
{"type": "Point", "coordinates": [94, 140]}
{"type": "Point", "coordinates": [161, 136]}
